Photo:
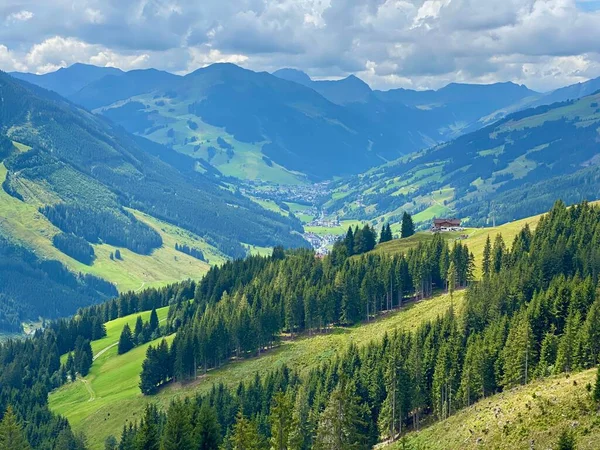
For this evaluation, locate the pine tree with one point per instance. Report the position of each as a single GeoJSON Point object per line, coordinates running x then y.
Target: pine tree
{"type": "Point", "coordinates": [154, 324]}
{"type": "Point", "coordinates": [12, 436]}
{"type": "Point", "coordinates": [83, 356]}
{"type": "Point", "coordinates": [486, 264]}
{"type": "Point", "coordinates": [341, 424]}
{"type": "Point", "coordinates": [349, 241]}
{"type": "Point", "coordinates": [177, 433]}
{"type": "Point", "coordinates": [245, 434]}
{"type": "Point", "coordinates": [207, 433]}
{"type": "Point", "coordinates": [148, 435]}
{"type": "Point", "coordinates": [498, 253]}
{"type": "Point", "coordinates": [110, 443]}
{"type": "Point", "coordinates": [118, 254]}
{"type": "Point", "coordinates": [518, 352]}
{"type": "Point", "coordinates": [408, 227]}
{"type": "Point", "coordinates": [281, 421]}
{"type": "Point", "coordinates": [301, 432]}
{"type": "Point", "coordinates": [386, 234]}
{"type": "Point", "coordinates": [125, 341]}
{"type": "Point", "coordinates": [451, 279]}
{"type": "Point", "coordinates": [138, 335]}
{"type": "Point", "coordinates": [567, 357]}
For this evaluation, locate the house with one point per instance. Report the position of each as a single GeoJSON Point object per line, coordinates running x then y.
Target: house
{"type": "Point", "coordinates": [445, 224]}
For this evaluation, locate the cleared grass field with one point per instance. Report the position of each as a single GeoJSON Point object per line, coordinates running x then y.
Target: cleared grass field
{"type": "Point", "coordinates": [23, 223]}
{"type": "Point", "coordinates": [102, 403]}
{"type": "Point", "coordinates": [531, 416]}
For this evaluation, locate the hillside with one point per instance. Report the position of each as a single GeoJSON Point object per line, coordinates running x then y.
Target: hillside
{"type": "Point", "coordinates": [78, 190]}
{"type": "Point", "coordinates": [108, 397]}
{"type": "Point", "coordinates": [245, 123]}
{"type": "Point", "coordinates": [531, 416]}
{"type": "Point", "coordinates": [506, 171]}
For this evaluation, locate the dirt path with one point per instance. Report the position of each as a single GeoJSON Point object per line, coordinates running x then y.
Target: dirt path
{"type": "Point", "coordinates": [89, 388]}
{"type": "Point", "coordinates": [104, 350]}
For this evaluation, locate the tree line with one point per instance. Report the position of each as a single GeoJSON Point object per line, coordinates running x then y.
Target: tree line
{"type": "Point", "coordinates": [535, 312]}
{"type": "Point", "coordinates": [242, 308]}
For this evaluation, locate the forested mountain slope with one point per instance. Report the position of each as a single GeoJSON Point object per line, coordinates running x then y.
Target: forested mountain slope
{"type": "Point", "coordinates": [241, 121]}
{"type": "Point", "coordinates": [535, 313]}
{"type": "Point", "coordinates": [80, 165]}
{"type": "Point", "coordinates": [75, 189]}
{"type": "Point", "coordinates": [509, 170]}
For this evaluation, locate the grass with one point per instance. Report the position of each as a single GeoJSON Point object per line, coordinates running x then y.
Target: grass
{"type": "Point", "coordinates": [22, 223]}
{"type": "Point", "coordinates": [531, 416]}
{"type": "Point", "coordinates": [475, 239]}
{"type": "Point", "coordinates": [246, 162]}
{"type": "Point", "coordinates": [101, 404]}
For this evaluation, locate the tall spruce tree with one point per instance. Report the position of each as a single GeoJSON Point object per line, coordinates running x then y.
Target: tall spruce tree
{"type": "Point", "coordinates": [341, 424]}
{"type": "Point", "coordinates": [518, 353]}
{"type": "Point", "coordinates": [148, 434]}
{"type": "Point", "coordinates": [207, 432]}
{"type": "Point", "coordinates": [281, 421]}
{"type": "Point", "coordinates": [177, 433]}
{"type": "Point", "coordinates": [245, 434]}
{"type": "Point", "coordinates": [126, 342]}
{"type": "Point", "coordinates": [12, 436]}
{"type": "Point", "coordinates": [486, 263]}
{"type": "Point", "coordinates": [386, 234]}
{"type": "Point", "coordinates": [408, 227]}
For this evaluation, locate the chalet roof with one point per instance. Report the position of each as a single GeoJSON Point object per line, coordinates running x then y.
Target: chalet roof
{"type": "Point", "coordinates": [451, 222]}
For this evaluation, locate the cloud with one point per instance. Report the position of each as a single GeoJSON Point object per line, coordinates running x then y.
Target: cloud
{"type": "Point", "coordinates": [390, 43]}
{"type": "Point", "coordinates": [19, 16]}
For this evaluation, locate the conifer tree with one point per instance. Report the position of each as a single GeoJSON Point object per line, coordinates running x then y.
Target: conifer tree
{"type": "Point", "coordinates": [498, 253]}
{"type": "Point", "coordinates": [245, 434]}
{"type": "Point", "coordinates": [83, 356]}
{"type": "Point", "coordinates": [301, 430]}
{"type": "Point", "coordinates": [349, 241]}
{"type": "Point", "coordinates": [518, 352]}
{"type": "Point", "coordinates": [386, 234]}
{"type": "Point", "coordinates": [281, 421]}
{"type": "Point", "coordinates": [567, 357]}
{"type": "Point", "coordinates": [154, 324]}
{"type": "Point", "coordinates": [408, 227]}
{"type": "Point", "coordinates": [138, 334]}
{"type": "Point", "coordinates": [207, 433]}
{"type": "Point", "coordinates": [148, 434]}
{"type": "Point", "coordinates": [341, 422]}
{"type": "Point", "coordinates": [177, 433]}
{"type": "Point", "coordinates": [566, 441]}
{"type": "Point", "coordinates": [12, 436]}
{"type": "Point", "coordinates": [486, 263]}
{"type": "Point", "coordinates": [451, 279]}
{"type": "Point", "coordinates": [125, 340]}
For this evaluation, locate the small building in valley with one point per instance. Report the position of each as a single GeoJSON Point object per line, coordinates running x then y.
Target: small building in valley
{"type": "Point", "coordinates": [445, 224]}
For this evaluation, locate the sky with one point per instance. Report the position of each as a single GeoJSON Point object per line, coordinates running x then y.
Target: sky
{"type": "Point", "coordinates": [416, 44]}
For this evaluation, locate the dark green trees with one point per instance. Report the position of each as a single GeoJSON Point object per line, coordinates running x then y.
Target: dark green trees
{"type": "Point", "coordinates": [126, 341]}
{"type": "Point", "coordinates": [11, 433]}
{"type": "Point", "coordinates": [341, 424]}
{"type": "Point", "coordinates": [408, 227]}
{"type": "Point", "coordinates": [386, 234]}
{"type": "Point", "coordinates": [83, 357]}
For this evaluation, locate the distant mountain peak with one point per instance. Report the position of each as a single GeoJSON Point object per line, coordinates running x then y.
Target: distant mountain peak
{"type": "Point", "coordinates": [295, 75]}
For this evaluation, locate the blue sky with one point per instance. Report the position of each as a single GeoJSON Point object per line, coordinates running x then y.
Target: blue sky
{"type": "Point", "coordinates": [418, 44]}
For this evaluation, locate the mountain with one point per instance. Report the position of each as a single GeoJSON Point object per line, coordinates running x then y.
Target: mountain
{"type": "Point", "coordinates": [511, 169]}
{"type": "Point", "coordinates": [68, 81]}
{"type": "Point", "coordinates": [246, 123]}
{"type": "Point", "coordinates": [571, 92]}
{"type": "Point", "coordinates": [68, 173]}
{"type": "Point", "coordinates": [114, 87]}
{"type": "Point", "coordinates": [341, 92]}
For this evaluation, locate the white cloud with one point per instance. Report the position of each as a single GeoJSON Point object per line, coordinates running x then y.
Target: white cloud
{"type": "Point", "coordinates": [412, 43]}
{"type": "Point", "coordinates": [19, 16]}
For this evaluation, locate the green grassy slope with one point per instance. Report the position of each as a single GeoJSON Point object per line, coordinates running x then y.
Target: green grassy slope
{"type": "Point", "coordinates": [24, 224]}
{"type": "Point", "coordinates": [531, 416]}
{"type": "Point", "coordinates": [108, 397]}
{"type": "Point", "coordinates": [500, 171]}
{"type": "Point", "coordinates": [172, 127]}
